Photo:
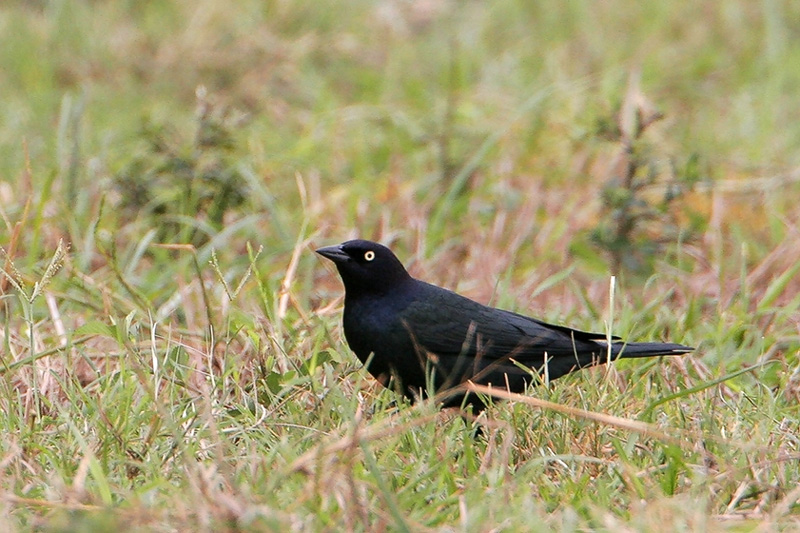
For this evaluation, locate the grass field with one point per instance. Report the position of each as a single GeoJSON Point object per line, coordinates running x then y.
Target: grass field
{"type": "Point", "coordinates": [172, 356]}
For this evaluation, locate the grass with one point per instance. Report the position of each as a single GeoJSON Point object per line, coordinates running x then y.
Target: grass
{"type": "Point", "coordinates": [172, 356]}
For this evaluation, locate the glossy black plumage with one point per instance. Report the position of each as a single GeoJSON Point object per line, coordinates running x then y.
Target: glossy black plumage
{"type": "Point", "coordinates": [419, 334]}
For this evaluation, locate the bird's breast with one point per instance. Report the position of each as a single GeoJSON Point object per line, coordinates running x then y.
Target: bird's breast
{"type": "Point", "coordinates": [372, 324]}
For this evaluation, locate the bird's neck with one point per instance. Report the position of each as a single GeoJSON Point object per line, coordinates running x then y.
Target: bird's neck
{"type": "Point", "coordinates": [357, 289]}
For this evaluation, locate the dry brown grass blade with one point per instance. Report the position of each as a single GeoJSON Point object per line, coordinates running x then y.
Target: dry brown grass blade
{"type": "Point", "coordinates": [34, 502]}
{"type": "Point", "coordinates": [291, 270]}
{"type": "Point", "coordinates": [610, 420]}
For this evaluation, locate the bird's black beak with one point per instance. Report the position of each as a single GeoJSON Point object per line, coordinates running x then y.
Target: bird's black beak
{"type": "Point", "coordinates": [334, 253]}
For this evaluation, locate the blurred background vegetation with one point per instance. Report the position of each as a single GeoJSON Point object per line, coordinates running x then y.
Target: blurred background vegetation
{"type": "Point", "coordinates": [520, 152]}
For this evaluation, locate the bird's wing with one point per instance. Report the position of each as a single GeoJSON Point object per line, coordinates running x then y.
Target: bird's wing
{"type": "Point", "coordinates": [448, 324]}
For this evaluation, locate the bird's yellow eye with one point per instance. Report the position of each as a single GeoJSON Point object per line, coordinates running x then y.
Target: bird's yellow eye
{"type": "Point", "coordinates": [369, 255]}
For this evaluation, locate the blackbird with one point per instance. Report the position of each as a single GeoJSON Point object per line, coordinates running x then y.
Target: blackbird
{"type": "Point", "coordinates": [422, 339]}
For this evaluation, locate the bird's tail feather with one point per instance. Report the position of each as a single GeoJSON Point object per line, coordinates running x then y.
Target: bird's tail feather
{"type": "Point", "coordinates": [648, 349]}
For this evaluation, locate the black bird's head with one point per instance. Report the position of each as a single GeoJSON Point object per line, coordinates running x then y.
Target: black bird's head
{"type": "Point", "coordinates": [366, 267]}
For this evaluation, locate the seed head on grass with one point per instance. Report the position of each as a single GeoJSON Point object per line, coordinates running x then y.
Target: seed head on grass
{"type": "Point", "coordinates": [18, 281]}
